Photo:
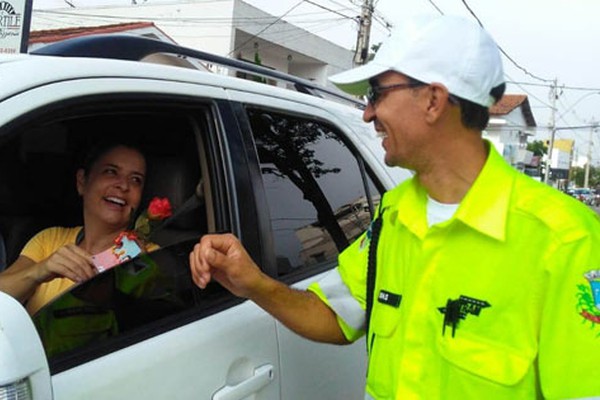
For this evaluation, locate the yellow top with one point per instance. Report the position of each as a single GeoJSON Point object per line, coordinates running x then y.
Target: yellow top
{"type": "Point", "coordinates": [40, 247]}
{"type": "Point", "coordinates": [493, 304]}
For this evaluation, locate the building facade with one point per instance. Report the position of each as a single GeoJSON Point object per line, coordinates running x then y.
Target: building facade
{"type": "Point", "coordinates": [511, 124]}
{"type": "Point", "coordinates": [230, 28]}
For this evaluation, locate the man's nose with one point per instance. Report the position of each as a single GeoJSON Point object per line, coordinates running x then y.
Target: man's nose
{"type": "Point", "coordinates": [369, 113]}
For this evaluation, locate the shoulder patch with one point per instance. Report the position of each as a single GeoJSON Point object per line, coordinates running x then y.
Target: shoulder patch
{"type": "Point", "coordinates": [366, 239]}
{"type": "Point", "coordinates": [588, 299]}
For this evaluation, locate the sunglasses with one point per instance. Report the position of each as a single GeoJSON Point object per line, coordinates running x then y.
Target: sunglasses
{"type": "Point", "coordinates": [375, 92]}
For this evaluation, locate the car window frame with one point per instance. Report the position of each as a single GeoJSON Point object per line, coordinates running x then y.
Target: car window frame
{"type": "Point", "coordinates": [198, 108]}
{"type": "Point", "coordinates": [270, 266]}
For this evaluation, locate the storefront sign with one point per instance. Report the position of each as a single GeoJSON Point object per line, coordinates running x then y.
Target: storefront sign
{"type": "Point", "coordinates": [15, 19]}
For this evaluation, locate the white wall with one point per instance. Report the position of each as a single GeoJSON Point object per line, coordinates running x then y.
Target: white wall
{"type": "Point", "coordinates": [507, 133]}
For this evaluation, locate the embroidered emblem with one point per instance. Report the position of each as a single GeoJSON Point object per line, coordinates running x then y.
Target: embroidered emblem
{"type": "Point", "coordinates": [588, 298]}
{"type": "Point", "coordinates": [458, 309]}
{"type": "Point", "coordinates": [366, 238]}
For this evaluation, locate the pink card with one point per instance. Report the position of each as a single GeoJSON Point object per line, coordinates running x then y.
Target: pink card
{"type": "Point", "coordinates": [116, 255]}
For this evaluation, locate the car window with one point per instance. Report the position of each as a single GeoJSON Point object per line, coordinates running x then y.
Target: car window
{"type": "Point", "coordinates": [318, 191]}
{"type": "Point", "coordinates": [150, 287]}
{"type": "Point", "coordinates": [150, 294]}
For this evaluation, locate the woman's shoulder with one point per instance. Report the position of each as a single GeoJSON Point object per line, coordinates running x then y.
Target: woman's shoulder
{"type": "Point", "coordinates": [48, 240]}
{"type": "Point", "coordinates": [58, 234]}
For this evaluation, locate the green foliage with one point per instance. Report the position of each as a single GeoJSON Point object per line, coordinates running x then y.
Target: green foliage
{"type": "Point", "coordinates": [578, 176]}
{"type": "Point", "coordinates": [537, 147]}
{"type": "Point", "coordinates": [258, 61]}
{"type": "Point", "coordinates": [374, 48]}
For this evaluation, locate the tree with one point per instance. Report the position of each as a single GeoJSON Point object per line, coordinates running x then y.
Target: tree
{"type": "Point", "coordinates": [538, 147]}
{"type": "Point", "coordinates": [578, 176]}
{"type": "Point", "coordinates": [285, 142]}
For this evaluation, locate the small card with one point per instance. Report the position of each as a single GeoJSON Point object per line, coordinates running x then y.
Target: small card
{"type": "Point", "coordinates": [116, 255]}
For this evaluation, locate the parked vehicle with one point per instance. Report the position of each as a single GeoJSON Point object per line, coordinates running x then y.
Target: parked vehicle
{"type": "Point", "coordinates": [284, 170]}
{"type": "Point", "coordinates": [585, 195]}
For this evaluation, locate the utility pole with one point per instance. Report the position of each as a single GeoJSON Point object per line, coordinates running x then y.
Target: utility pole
{"type": "Point", "coordinates": [586, 180]}
{"type": "Point", "coordinates": [554, 94]}
{"type": "Point", "coordinates": [364, 32]}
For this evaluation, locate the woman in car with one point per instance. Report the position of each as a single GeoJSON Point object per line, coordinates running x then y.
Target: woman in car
{"type": "Point", "coordinates": [110, 183]}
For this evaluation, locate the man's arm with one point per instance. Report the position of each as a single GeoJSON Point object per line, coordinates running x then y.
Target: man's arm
{"type": "Point", "coordinates": [223, 258]}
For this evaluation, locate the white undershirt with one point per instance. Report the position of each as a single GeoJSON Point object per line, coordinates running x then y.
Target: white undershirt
{"type": "Point", "coordinates": [338, 294]}
{"type": "Point", "coordinates": [439, 212]}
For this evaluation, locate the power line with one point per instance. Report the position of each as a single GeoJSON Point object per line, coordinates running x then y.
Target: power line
{"type": "Point", "coordinates": [343, 6]}
{"type": "Point", "coordinates": [436, 7]}
{"type": "Point", "coordinates": [499, 47]}
{"type": "Point", "coordinates": [267, 27]}
{"type": "Point", "coordinates": [590, 89]}
{"type": "Point", "coordinates": [528, 92]}
{"type": "Point", "coordinates": [329, 9]}
{"type": "Point", "coordinates": [267, 18]}
{"type": "Point", "coordinates": [502, 50]}
{"type": "Point", "coordinates": [530, 84]}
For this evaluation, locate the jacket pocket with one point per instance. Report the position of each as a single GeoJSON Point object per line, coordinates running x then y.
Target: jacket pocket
{"type": "Point", "coordinates": [494, 362]}
{"type": "Point", "coordinates": [384, 320]}
{"type": "Point", "coordinates": [381, 377]}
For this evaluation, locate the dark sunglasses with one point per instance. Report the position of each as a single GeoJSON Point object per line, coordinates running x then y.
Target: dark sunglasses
{"type": "Point", "coordinates": [374, 92]}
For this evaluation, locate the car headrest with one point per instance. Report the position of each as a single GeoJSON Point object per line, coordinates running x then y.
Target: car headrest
{"type": "Point", "coordinates": [174, 178]}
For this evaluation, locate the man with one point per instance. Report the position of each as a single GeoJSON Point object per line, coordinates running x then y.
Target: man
{"type": "Point", "coordinates": [474, 281]}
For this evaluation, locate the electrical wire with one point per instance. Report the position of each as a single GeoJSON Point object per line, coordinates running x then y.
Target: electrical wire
{"type": "Point", "coordinates": [267, 27]}
{"type": "Point", "coordinates": [502, 50]}
{"type": "Point", "coordinates": [224, 20]}
{"type": "Point", "coordinates": [343, 6]}
{"type": "Point", "coordinates": [329, 9]}
{"type": "Point", "coordinates": [528, 92]}
{"type": "Point", "coordinates": [436, 7]}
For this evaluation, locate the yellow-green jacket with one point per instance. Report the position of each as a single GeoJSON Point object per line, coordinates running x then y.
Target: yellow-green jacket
{"type": "Point", "coordinates": [495, 303]}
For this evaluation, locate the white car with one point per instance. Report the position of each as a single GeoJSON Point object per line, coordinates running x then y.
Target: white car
{"type": "Point", "coordinates": [294, 175]}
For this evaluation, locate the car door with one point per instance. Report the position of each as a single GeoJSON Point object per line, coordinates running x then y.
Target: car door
{"type": "Point", "coordinates": [198, 344]}
{"type": "Point", "coordinates": [319, 193]}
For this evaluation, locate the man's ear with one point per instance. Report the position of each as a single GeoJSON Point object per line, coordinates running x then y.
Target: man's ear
{"type": "Point", "coordinates": [80, 180]}
{"type": "Point", "coordinates": [438, 101]}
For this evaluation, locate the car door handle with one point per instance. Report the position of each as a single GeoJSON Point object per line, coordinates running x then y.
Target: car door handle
{"type": "Point", "coordinates": [262, 377]}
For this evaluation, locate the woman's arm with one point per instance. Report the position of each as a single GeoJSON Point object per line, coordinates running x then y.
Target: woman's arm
{"type": "Point", "coordinates": [22, 278]}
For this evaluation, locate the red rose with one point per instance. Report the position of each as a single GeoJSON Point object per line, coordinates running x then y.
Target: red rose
{"type": "Point", "coordinates": [159, 209]}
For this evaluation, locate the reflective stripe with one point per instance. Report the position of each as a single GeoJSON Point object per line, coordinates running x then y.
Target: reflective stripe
{"type": "Point", "coordinates": [368, 397]}
{"type": "Point", "coordinates": [341, 300]}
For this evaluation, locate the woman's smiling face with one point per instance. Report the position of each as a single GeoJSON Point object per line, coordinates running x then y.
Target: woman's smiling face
{"type": "Point", "coordinates": [112, 187]}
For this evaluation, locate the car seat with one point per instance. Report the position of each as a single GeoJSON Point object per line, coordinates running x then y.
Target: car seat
{"type": "Point", "coordinates": [179, 181]}
{"type": "Point", "coordinates": [41, 195]}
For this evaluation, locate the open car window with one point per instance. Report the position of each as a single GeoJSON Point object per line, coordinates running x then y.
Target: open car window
{"type": "Point", "coordinates": [121, 301]}
{"type": "Point", "coordinates": [154, 292]}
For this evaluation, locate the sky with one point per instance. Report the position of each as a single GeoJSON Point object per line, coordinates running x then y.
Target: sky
{"type": "Point", "coordinates": [543, 41]}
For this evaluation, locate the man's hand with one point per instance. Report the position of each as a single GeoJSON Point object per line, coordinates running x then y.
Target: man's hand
{"type": "Point", "coordinates": [223, 258]}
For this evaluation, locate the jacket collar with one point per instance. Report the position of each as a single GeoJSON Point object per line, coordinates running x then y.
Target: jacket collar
{"type": "Point", "coordinates": [484, 208]}
{"type": "Point", "coordinates": [486, 205]}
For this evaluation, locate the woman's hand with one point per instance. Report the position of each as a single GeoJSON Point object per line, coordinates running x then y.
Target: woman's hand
{"type": "Point", "coordinates": [68, 261]}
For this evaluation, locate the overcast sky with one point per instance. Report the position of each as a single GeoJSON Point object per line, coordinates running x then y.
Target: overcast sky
{"type": "Point", "coordinates": [549, 39]}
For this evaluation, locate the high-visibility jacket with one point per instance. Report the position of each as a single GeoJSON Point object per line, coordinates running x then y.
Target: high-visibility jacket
{"type": "Point", "coordinates": [502, 301]}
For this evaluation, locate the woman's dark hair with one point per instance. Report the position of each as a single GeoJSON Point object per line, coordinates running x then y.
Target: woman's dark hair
{"type": "Point", "coordinates": [100, 148]}
{"type": "Point", "coordinates": [473, 115]}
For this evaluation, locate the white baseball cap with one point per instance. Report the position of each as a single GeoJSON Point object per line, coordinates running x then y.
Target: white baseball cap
{"type": "Point", "coordinates": [449, 50]}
